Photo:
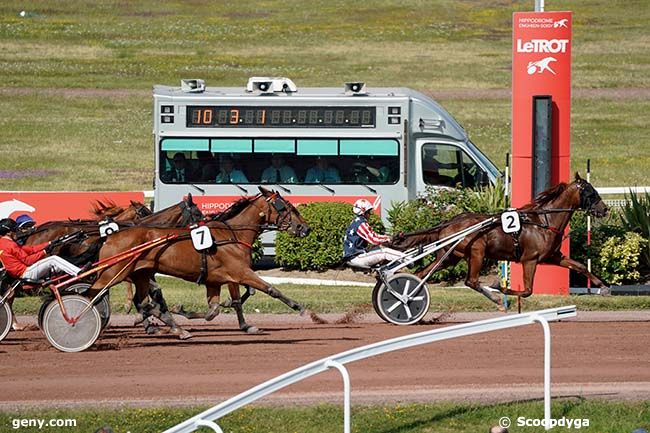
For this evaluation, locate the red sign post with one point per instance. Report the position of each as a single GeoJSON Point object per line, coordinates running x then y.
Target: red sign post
{"type": "Point", "coordinates": [541, 66]}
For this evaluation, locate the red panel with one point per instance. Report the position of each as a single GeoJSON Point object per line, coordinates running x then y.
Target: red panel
{"type": "Point", "coordinates": [55, 206]}
{"type": "Point", "coordinates": [541, 65]}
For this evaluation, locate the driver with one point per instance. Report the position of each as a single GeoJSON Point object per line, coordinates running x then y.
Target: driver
{"type": "Point", "coordinates": [29, 262]}
{"type": "Point", "coordinates": [359, 236]}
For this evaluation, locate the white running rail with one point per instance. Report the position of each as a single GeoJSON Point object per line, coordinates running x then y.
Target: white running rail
{"type": "Point", "coordinates": [208, 418]}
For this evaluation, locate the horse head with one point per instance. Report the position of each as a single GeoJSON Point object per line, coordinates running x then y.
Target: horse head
{"type": "Point", "coordinates": [190, 212]}
{"type": "Point", "coordinates": [283, 214]}
{"type": "Point", "coordinates": [140, 209]}
{"type": "Point", "coordinates": [589, 198]}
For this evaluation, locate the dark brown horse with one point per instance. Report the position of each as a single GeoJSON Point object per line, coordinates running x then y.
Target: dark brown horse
{"type": "Point", "coordinates": [227, 261]}
{"type": "Point", "coordinates": [543, 223]}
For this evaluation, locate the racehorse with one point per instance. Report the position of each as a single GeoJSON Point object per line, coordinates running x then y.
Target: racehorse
{"type": "Point", "coordinates": [179, 215]}
{"type": "Point", "coordinates": [228, 260]}
{"type": "Point", "coordinates": [542, 228]}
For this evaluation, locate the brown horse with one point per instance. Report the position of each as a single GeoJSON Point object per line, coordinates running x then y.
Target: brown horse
{"type": "Point", "coordinates": [542, 228]}
{"type": "Point", "coordinates": [227, 261]}
{"type": "Point", "coordinates": [179, 215]}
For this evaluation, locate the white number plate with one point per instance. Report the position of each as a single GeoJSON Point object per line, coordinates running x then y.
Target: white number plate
{"type": "Point", "coordinates": [108, 229]}
{"type": "Point", "coordinates": [201, 238]}
{"type": "Point", "coordinates": [510, 221]}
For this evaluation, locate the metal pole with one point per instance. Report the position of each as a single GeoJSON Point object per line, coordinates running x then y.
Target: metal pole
{"type": "Point", "coordinates": [539, 5]}
{"type": "Point", "coordinates": [346, 392]}
{"type": "Point", "coordinates": [589, 231]}
{"type": "Point", "coordinates": [547, 371]}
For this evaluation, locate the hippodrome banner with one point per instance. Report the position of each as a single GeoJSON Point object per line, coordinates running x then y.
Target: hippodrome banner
{"type": "Point", "coordinates": [56, 206]}
{"type": "Point", "coordinates": [541, 66]}
{"type": "Point", "coordinates": [215, 204]}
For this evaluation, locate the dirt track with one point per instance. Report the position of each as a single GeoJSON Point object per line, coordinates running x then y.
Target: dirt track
{"type": "Point", "coordinates": [590, 358]}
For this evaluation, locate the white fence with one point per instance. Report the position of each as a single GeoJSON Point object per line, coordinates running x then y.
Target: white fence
{"type": "Point", "coordinates": [208, 417]}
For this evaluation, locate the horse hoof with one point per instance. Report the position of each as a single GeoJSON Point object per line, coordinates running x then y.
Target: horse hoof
{"type": "Point", "coordinates": [182, 334]}
{"type": "Point", "coordinates": [252, 330]}
{"type": "Point", "coordinates": [17, 327]}
{"type": "Point", "coordinates": [153, 330]}
{"type": "Point", "coordinates": [212, 314]}
{"type": "Point", "coordinates": [139, 319]}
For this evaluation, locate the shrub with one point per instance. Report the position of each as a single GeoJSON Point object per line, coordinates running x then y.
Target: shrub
{"type": "Point", "coordinates": [323, 247]}
{"type": "Point", "coordinates": [635, 217]}
{"type": "Point", "coordinates": [601, 230]}
{"type": "Point", "coordinates": [619, 258]}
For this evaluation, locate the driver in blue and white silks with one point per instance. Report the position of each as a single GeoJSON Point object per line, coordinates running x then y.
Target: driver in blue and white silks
{"type": "Point", "coordinates": [359, 236]}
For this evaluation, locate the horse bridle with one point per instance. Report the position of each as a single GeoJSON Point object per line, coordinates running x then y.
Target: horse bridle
{"type": "Point", "coordinates": [142, 212]}
{"type": "Point", "coordinates": [284, 218]}
{"type": "Point", "coordinates": [188, 214]}
{"type": "Point", "coordinates": [588, 196]}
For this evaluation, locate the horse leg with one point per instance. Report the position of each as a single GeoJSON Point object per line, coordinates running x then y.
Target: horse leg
{"type": "Point", "coordinates": [474, 265]}
{"type": "Point", "coordinates": [129, 297]}
{"type": "Point", "coordinates": [529, 268]}
{"type": "Point", "coordinates": [569, 263]}
{"type": "Point", "coordinates": [14, 323]}
{"type": "Point", "coordinates": [157, 306]}
{"type": "Point", "coordinates": [213, 294]}
{"type": "Point", "coordinates": [237, 303]}
{"type": "Point", "coordinates": [250, 278]}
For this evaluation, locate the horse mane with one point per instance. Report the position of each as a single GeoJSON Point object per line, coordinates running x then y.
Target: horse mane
{"type": "Point", "coordinates": [232, 211]}
{"type": "Point", "coordinates": [546, 196]}
{"type": "Point", "coordinates": [106, 208]}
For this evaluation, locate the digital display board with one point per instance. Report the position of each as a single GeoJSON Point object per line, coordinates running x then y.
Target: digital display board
{"type": "Point", "coordinates": [280, 117]}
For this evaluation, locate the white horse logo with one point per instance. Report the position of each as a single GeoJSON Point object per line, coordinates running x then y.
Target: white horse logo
{"type": "Point", "coordinates": [561, 23]}
{"type": "Point", "coordinates": [13, 205]}
{"type": "Point", "coordinates": [541, 66]}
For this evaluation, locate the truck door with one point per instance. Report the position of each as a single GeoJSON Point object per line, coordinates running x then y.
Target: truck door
{"type": "Point", "coordinates": [447, 165]}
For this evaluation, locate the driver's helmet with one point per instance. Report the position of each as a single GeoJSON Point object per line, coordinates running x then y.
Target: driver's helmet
{"type": "Point", "coordinates": [24, 222]}
{"type": "Point", "coordinates": [7, 225]}
{"type": "Point", "coordinates": [361, 206]}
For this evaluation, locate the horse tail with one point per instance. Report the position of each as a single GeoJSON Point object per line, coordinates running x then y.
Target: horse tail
{"type": "Point", "coordinates": [404, 241]}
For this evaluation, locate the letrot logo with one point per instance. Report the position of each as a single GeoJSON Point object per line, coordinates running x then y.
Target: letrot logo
{"type": "Point", "coordinates": [541, 65]}
{"type": "Point", "coordinates": [561, 23]}
{"type": "Point", "coordinates": [552, 46]}
{"type": "Point", "coordinates": [13, 205]}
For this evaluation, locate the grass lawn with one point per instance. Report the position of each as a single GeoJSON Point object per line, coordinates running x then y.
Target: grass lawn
{"type": "Point", "coordinates": [602, 416]}
{"type": "Point", "coordinates": [332, 299]}
{"type": "Point", "coordinates": [77, 76]}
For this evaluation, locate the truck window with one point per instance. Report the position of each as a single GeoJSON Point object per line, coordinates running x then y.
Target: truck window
{"type": "Point", "coordinates": [448, 165]}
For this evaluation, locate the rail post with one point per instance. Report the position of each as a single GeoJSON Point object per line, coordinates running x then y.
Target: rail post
{"type": "Point", "coordinates": [547, 370]}
{"type": "Point", "coordinates": [346, 392]}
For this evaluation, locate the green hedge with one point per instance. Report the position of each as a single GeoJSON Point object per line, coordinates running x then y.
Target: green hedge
{"type": "Point", "coordinates": [323, 247]}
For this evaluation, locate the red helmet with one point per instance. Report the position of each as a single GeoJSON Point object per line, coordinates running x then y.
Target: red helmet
{"type": "Point", "coordinates": [361, 206]}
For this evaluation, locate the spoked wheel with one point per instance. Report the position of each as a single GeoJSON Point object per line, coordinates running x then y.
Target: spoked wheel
{"type": "Point", "coordinates": [103, 305]}
{"type": "Point", "coordinates": [6, 317]}
{"type": "Point", "coordinates": [71, 337]}
{"type": "Point", "coordinates": [402, 302]}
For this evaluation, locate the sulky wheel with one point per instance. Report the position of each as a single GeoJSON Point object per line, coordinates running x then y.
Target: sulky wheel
{"type": "Point", "coordinates": [69, 337]}
{"type": "Point", "coordinates": [375, 297]}
{"type": "Point", "coordinates": [6, 317]}
{"type": "Point", "coordinates": [402, 302]}
{"type": "Point", "coordinates": [103, 305]}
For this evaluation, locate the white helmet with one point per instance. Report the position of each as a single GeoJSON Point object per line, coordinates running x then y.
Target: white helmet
{"type": "Point", "coordinates": [361, 206]}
